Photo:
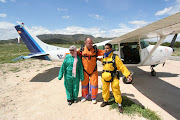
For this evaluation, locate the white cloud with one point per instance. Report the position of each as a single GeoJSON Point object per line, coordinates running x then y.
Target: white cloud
{"type": "Point", "coordinates": [96, 16]}
{"type": "Point", "coordinates": [3, 1]}
{"type": "Point", "coordinates": [3, 15]}
{"type": "Point", "coordinates": [7, 31]}
{"type": "Point", "coordinates": [170, 10]}
{"type": "Point", "coordinates": [165, 11]}
{"type": "Point", "coordinates": [79, 30]}
{"type": "Point", "coordinates": [62, 9]}
{"type": "Point", "coordinates": [39, 30]}
{"type": "Point", "coordinates": [96, 32]}
{"type": "Point", "coordinates": [65, 17]}
{"type": "Point", "coordinates": [138, 23]}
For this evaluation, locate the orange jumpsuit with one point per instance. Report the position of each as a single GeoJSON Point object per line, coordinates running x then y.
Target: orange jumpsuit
{"type": "Point", "coordinates": [89, 63]}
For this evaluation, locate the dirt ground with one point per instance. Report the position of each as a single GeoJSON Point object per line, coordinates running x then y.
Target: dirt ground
{"type": "Point", "coordinates": [30, 90]}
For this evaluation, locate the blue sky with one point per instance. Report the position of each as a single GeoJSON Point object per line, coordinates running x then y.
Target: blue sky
{"type": "Point", "coordinates": [100, 18]}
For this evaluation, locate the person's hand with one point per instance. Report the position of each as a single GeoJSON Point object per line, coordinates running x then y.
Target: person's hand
{"type": "Point", "coordinates": [99, 59]}
{"type": "Point", "coordinates": [65, 55]}
{"type": "Point", "coordinates": [130, 78]}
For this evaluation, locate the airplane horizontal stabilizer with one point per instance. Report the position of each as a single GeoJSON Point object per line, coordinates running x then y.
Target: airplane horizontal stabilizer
{"type": "Point", "coordinates": [18, 58]}
{"type": "Point", "coordinates": [30, 56]}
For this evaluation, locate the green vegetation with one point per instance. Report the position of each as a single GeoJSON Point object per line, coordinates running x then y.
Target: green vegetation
{"type": "Point", "coordinates": [176, 52]}
{"type": "Point", "coordinates": [131, 108]}
{"type": "Point", "coordinates": [11, 51]}
{"type": "Point", "coordinates": [176, 44]}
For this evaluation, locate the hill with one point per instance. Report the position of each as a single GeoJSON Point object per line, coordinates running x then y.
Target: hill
{"type": "Point", "coordinates": [60, 38]}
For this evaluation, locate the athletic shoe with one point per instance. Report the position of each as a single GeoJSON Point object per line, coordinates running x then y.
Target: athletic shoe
{"type": "Point", "coordinates": [69, 103]}
{"type": "Point", "coordinates": [94, 101]}
{"type": "Point", "coordinates": [83, 100]}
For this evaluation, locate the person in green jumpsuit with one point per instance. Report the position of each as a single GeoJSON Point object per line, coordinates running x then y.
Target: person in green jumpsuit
{"type": "Point", "coordinates": [72, 69]}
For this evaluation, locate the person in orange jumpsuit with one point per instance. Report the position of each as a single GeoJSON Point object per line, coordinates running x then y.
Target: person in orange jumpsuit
{"type": "Point", "coordinates": [89, 56]}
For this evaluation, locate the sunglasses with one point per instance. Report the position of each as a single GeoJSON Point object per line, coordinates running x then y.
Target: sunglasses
{"type": "Point", "coordinates": [71, 50]}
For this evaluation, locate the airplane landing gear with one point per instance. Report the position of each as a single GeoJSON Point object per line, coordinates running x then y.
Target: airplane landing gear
{"type": "Point", "coordinates": [153, 72]}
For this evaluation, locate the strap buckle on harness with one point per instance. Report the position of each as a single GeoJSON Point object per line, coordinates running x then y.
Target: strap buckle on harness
{"type": "Point", "coordinates": [108, 71]}
{"type": "Point", "coordinates": [89, 57]}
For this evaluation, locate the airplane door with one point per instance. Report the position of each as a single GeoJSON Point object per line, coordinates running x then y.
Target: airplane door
{"type": "Point", "coordinates": [130, 53]}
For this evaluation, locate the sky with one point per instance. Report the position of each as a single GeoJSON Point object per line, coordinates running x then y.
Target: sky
{"type": "Point", "coordinates": [100, 18]}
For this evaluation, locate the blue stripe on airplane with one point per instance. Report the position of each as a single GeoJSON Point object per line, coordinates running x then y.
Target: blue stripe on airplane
{"type": "Point", "coordinates": [31, 43]}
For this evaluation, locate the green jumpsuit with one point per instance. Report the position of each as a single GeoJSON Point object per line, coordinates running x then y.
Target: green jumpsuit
{"type": "Point", "coordinates": [71, 84]}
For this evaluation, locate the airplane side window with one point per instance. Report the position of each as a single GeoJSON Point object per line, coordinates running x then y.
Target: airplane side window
{"type": "Point", "coordinates": [144, 44]}
{"type": "Point", "coordinates": [115, 47]}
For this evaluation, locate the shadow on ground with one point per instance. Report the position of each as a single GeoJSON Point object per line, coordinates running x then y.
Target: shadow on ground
{"type": "Point", "coordinates": [47, 75]}
{"type": "Point", "coordinates": [160, 92]}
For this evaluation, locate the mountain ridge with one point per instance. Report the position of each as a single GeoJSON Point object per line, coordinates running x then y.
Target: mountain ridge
{"type": "Point", "coordinates": [61, 38]}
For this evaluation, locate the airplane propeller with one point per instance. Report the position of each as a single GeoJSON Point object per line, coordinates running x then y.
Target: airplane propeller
{"type": "Point", "coordinates": [173, 40]}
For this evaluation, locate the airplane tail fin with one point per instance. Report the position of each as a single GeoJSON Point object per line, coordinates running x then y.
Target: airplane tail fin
{"type": "Point", "coordinates": [32, 42]}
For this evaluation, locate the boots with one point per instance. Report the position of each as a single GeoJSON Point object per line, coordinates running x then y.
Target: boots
{"type": "Point", "coordinates": [104, 104]}
{"type": "Point", "coordinates": [120, 109]}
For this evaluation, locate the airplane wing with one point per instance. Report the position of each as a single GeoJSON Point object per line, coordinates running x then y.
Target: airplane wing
{"type": "Point", "coordinates": [102, 43]}
{"type": "Point", "coordinates": [30, 56]}
{"type": "Point", "coordinates": [164, 27]}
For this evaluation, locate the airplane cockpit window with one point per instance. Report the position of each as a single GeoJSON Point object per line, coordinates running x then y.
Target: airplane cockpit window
{"type": "Point", "coordinates": [144, 44]}
{"type": "Point", "coordinates": [115, 47]}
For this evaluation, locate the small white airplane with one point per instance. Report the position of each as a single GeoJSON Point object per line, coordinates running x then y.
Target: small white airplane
{"type": "Point", "coordinates": [131, 47]}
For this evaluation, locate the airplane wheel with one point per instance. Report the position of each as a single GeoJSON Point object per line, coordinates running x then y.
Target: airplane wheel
{"type": "Point", "coordinates": [126, 81]}
{"type": "Point", "coordinates": [153, 73]}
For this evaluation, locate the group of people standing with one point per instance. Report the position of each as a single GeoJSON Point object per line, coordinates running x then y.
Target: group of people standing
{"type": "Point", "coordinates": [82, 65]}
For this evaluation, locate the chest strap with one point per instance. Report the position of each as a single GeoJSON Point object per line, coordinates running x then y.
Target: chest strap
{"type": "Point", "coordinates": [107, 62]}
{"type": "Point", "coordinates": [89, 56]}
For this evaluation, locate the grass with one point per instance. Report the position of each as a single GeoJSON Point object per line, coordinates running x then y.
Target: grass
{"type": "Point", "coordinates": [131, 108]}
{"type": "Point", "coordinates": [10, 51]}
{"type": "Point", "coordinates": [176, 52]}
